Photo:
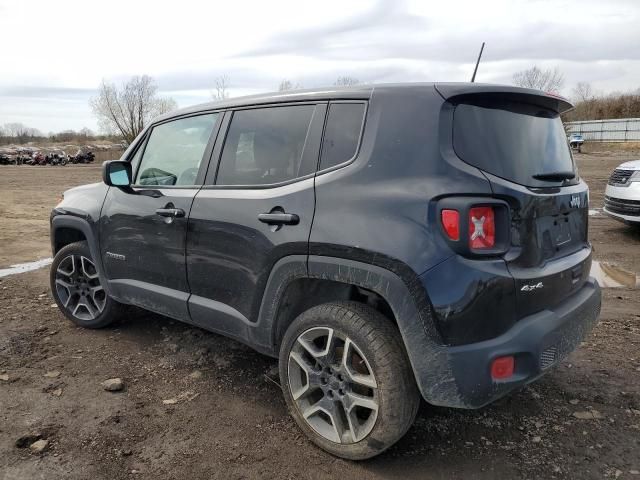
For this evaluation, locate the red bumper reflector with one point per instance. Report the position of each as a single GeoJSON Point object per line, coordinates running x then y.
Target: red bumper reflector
{"type": "Point", "coordinates": [502, 368]}
{"type": "Point", "coordinates": [451, 224]}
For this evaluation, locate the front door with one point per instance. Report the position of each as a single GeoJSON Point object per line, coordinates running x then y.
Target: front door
{"type": "Point", "coordinates": [258, 209]}
{"type": "Point", "coordinates": [143, 228]}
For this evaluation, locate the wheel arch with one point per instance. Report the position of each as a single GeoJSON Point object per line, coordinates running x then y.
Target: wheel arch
{"type": "Point", "coordinates": [65, 235]}
{"type": "Point", "coordinates": [66, 229]}
{"type": "Point", "coordinates": [303, 293]}
{"type": "Point", "coordinates": [402, 293]}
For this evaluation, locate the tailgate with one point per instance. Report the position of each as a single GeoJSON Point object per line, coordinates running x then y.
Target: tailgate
{"type": "Point", "coordinates": [516, 138]}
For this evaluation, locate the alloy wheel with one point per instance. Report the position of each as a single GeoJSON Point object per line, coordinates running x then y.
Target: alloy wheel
{"type": "Point", "coordinates": [332, 385]}
{"type": "Point", "coordinates": [78, 287]}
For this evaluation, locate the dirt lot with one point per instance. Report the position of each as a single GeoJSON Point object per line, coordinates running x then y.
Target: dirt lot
{"type": "Point", "coordinates": [226, 418]}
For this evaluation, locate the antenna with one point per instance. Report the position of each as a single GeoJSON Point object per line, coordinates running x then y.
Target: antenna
{"type": "Point", "coordinates": [473, 78]}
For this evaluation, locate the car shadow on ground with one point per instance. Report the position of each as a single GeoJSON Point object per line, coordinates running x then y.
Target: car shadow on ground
{"type": "Point", "coordinates": [631, 232]}
{"type": "Point", "coordinates": [438, 435]}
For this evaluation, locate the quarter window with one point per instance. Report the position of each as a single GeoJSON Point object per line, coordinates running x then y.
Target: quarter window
{"type": "Point", "coordinates": [342, 133]}
{"type": "Point", "coordinates": [174, 151]}
{"type": "Point", "coordinates": [265, 146]}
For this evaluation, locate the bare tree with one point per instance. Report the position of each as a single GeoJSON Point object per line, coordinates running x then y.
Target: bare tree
{"type": "Point", "coordinates": [86, 132]}
{"type": "Point", "coordinates": [16, 129]}
{"type": "Point", "coordinates": [583, 92]}
{"type": "Point", "coordinates": [128, 108]}
{"type": "Point", "coordinates": [585, 102]}
{"type": "Point", "coordinates": [20, 133]}
{"type": "Point", "coordinates": [346, 81]}
{"type": "Point", "coordinates": [221, 91]}
{"type": "Point", "coordinates": [600, 107]}
{"type": "Point", "coordinates": [288, 85]}
{"type": "Point", "coordinates": [549, 80]}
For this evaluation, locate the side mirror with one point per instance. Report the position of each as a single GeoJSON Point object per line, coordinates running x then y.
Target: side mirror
{"type": "Point", "coordinates": [116, 173]}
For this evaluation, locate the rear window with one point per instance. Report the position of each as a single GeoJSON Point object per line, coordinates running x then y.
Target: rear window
{"type": "Point", "coordinates": [512, 140]}
{"type": "Point", "coordinates": [342, 133]}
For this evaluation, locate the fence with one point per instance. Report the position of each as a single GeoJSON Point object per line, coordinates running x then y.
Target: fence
{"type": "Point", "coordinates": [618, 130]}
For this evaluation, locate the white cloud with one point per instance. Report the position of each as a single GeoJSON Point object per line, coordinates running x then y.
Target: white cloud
{"type": "Point", "coordinates": [67, 47]}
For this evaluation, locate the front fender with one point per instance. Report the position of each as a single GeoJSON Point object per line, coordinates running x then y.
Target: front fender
{"type": "Point", "coordinates": [62, 220]}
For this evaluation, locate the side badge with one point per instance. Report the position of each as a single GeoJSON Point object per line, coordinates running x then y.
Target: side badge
{"type": "Point", "coordinates": [532, 287]}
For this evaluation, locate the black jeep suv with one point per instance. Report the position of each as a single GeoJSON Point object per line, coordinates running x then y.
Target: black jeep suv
{"type": "Point", "coordinates": [384, 242]}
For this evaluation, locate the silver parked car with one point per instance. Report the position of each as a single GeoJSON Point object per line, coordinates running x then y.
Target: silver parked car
{"type": "Point", "coordinates": [622, 196]}
{"type": "Point", "coordinates": [575, 141]}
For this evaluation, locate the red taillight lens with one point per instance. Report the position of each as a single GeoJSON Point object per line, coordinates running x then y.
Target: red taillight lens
{"type": "Point", "coordinates": [502, 368]}
{"type": "Point", "coordinates": [451, 223]}
{"type": "Point", "coordinates": [482, 228]}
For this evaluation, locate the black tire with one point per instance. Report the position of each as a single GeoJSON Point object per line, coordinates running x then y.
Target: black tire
{"type": "Point", "coordinates": [99, 311]}
{"type": "Point", "coordinates": [380, 343]}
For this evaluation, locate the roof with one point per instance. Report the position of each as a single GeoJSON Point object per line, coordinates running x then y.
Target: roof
{"type": "Point", "coordinates": [357, 92]}
{"type": "Point", "coordinates": [365, 91]}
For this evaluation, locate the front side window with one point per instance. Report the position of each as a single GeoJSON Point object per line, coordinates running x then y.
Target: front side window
{"type": "Point", "coordinates": [174, 151]}
{"type": "Point", "coordinates": [342, 133]}
{"type": "Point", "coordinates": [135, 158]}
{"type": "Point", "coordinates": [265, 146]}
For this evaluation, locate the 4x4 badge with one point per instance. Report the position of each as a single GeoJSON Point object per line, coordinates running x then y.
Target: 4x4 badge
{"type": "Point", "coordinates": [532, 287]}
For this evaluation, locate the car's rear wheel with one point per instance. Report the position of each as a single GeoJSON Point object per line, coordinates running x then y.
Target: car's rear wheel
{"type": "Point", "coordinates": [347, 380]}
{"type": "Point", "coordinates": [78, 291]}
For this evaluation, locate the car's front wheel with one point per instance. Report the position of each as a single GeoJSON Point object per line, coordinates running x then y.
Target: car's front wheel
{"type": "Point", "coordinates": [78, 291]}
{"type": "Point", "coordinates": [347, 380]}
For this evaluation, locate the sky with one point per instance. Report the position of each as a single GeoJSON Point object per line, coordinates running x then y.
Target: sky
{"type": "Point", "coordinates": [56, 53]}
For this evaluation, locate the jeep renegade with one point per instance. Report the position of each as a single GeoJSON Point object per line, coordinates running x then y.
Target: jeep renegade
{"type": "Point", "coordinates": [386, 243]}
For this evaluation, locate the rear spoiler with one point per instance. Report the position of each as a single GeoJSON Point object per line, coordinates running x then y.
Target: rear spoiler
{"type": "Point", "coordinates": [457, 92]}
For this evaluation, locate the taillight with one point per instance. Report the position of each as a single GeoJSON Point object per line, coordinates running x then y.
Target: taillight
{"type": "Point", "coordinates": [482, 228]}
{"type": "Point", "coordinates": [451, 224]}
{"type": "Point", "coordinates": [475, 227]}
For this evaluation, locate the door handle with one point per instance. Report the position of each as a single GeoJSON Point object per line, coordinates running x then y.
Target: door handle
{"type": "Point", "coordinates": [170, 212]}
{"type": "Point", "coordinates": [279, 218]}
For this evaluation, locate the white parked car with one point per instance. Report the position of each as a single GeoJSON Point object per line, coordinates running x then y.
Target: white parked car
{"type": "Point", "coordinates": [622, 196]}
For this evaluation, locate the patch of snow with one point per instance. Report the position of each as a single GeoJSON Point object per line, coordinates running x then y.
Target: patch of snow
{"type": "Point", "coordinates": [25, 267]}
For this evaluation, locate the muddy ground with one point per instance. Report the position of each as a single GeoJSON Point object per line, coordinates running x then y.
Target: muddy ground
{"type": "Point", "coordinates": [225, 417]}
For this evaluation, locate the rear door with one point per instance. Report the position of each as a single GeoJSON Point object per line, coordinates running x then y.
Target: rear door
{"type": "Point", "coordinates": [520, 144]}
{"type": "Point", "coordinates": [257, 206]}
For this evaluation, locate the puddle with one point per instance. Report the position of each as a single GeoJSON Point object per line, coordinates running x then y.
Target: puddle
{"type": "Point", "coordinates": [611, 276]}
{"type": "Point", "coordinates": [595, 212]}
{"type": "Point", "coordinates": [25, 267]}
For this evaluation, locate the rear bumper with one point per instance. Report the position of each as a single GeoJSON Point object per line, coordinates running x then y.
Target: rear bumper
{"type": "Point", "coordinates": [537, 342]}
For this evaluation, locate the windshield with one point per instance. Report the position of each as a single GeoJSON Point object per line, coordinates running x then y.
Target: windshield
{"type": "Point", "coordinates": [512, 140]}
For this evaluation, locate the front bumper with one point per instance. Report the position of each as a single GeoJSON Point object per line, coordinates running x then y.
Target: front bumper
{"type": "Point", "coordinates": [538, 342]}
{"type": "Point", "coordinates": [623, 203]}
{"type": "Point", "coordinates": [627, 219]}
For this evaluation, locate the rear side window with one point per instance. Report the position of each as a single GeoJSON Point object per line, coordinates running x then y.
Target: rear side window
{"type": "Point", "coordinates": [512, 140]}
{"type": "Point", "coordinates": [174, 151]}
{"type": "Point", "coordinates": [265, 146]}
{"type": "Point", "coordinates": [342, 133]}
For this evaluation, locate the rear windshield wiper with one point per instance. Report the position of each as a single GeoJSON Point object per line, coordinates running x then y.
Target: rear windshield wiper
{"type": "Point", "coordinates": [555, 176]}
